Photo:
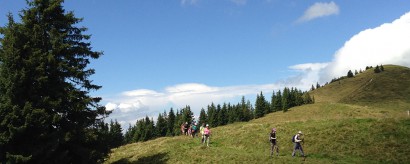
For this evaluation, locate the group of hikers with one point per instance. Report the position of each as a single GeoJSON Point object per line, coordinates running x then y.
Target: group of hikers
{"type": "Point", "coordinates": [296, 139]}
{"type": "Point", "coordinates": [205, 131]}
{"type": "Point", "coordinates": [192, 130]}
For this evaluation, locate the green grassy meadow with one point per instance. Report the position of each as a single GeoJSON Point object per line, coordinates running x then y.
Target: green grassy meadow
{"type": "Point", "coordinates": [355, 121]}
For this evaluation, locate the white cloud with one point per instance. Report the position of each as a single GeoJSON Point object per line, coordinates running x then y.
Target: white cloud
{"type": "Point", "coordinates": [318, 10]}
{"type": "Point", "coordinates": [141, 92]}
{"type": "Point", "coordinates": [190, 88]}
{"type": "Point", "coordinates": [239, 2]}
{"type": "Point", "coordinates": [110, 106]}
{"type": "Point", "coordinates": [189, 2]}
{"type": "Point", "coordinates": [309, 73]}
{"type": "Point", "coordinates": [386, 44]}
{"type": "Point", "coordinates": [309, 66]}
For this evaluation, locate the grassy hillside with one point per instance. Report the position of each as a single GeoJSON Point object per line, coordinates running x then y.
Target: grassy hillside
{"type": "Point", "coordinates": [388, 88]}
{"type": "Point", "coordinates": [339, 128]}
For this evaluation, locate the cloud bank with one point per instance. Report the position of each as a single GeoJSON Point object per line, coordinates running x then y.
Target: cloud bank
{"type": "Point", "coordinates": [318, 10]}
{"type": "Point", "coordinates": [386, 44]}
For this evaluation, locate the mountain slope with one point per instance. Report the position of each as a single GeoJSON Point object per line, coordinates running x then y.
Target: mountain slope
{"type": "Point", "coordinates": [347, 127]}
{"type": "Point", "coordinates": [390, 87]}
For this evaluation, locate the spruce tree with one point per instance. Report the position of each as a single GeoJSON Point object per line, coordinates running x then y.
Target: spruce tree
{"type": "Point", "coordinates": [286, 99]}
{"type": "Point", "coordinates": [148, 130]}
{"type": "Point", "coordinates": [307, 99]}
{"type": "Point", "coordinates": [298, 97]}
{"type": "Point", "coordinates": [116, 137]}
{"type": "Point", "coordinates": [161, 126]}
{"type": "Point", "coordinates": [224, 113]}
{"type": "Point", "coordinates": [178, 123]}
{"type": "Point", "coordinates": [312, 88]}
{"type": "Point", "coordinates": [231, 114]}
{"type": "Point", "coordinates": [104, 139]}
{"type": "Point", "coordinates": [212, 115]}
{"type": "Point", "coordinates": [293, 95]}
{"type": "Point", "coordinates": [171, 123]}
{"type": "Point", "coordinates": [261, 106]}
{"type": "Point", "coordinates": [222, 119]}
{"type": "Point", "coordinates": [46, 111]}
{"type": "Point", "coordinates": [278, 101]}
{"type": "Point", "coordinates": [246, 113]}
{"type": "Point", "coordinates": [377, 69]}
{"type": "Point", "coordinates": [202, 117]}
{"type": "Point", "coordinates": [272, 100]}
{"type": "Point", "coordinates": [251, 109]}
{"type": "Point", "coordinates": [129, 134]}
{"type": "Point", "coordinates": [350, 73]}
{"type": "Point", "coordinates": [187, 115]}
{"type": "Point", "coordinates": [139, 130]}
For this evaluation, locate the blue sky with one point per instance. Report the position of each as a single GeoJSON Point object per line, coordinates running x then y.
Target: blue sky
{"type": "Point", "coordinates": [162, 54]}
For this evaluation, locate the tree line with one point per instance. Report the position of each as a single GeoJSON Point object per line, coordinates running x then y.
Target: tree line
{"type": "Point", "coordinates": [169, 124]}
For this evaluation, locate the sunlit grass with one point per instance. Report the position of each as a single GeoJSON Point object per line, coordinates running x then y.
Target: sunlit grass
{"type": "Point", "coordinates": [389, 89]}
{"type": "Point", "coordinates": [333, 132]}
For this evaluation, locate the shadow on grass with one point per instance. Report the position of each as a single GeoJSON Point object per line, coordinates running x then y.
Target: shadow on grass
{"type": "Point", "coordinates": [160, 158]}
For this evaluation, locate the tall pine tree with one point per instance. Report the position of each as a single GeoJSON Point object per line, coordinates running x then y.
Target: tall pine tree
{"type": "Point", "coordinates": [246, 113]}
{"type": "Point", "coordinates": [286, 99]}
{"type": "Point", "coordinates": [46, 111]}
{"type": "Point", "coordinates": [171, 123]}
{"type": "Point", "coordinates": [278, 101]}
{"type": "Point", "coordinates": [161, 127]}
{"type": "Point", "coordinates": [212, 115]}
{"type": "Point", "coordinates": [115, 133]}
{"type": "Point", "coordinates": [260, 107]}
{"type": "Point", "coordinates": [202, 117]}
{"type": "Point", "coordinates": [350, 73]}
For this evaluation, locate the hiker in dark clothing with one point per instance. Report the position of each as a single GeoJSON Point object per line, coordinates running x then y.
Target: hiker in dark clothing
{"type": "Point", "coordinates": [186, 127]}
{"type": "Point", "coordinates": [298, 146]}
{"type": "Point", "coordinates": [273, 143]}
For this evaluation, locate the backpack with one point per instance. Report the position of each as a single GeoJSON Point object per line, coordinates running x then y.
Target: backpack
{"type": "Point", "coordinates": [293, 138]}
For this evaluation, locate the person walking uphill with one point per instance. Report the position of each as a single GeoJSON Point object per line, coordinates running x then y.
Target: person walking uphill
{"type": "Point", "coordinates": [201, 129]}
{"type": "Point", "coordinates": [297, 140]}
{"type": "Point", "coordinates": [186, 127]}
{"type": "Point", "coordinates": [207, 133]}
{"type": "Point", "coordinates": [273, 143]}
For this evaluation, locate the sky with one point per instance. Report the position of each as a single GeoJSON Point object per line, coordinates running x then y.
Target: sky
{"type": "Point", "coordinates": [168, 54]}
